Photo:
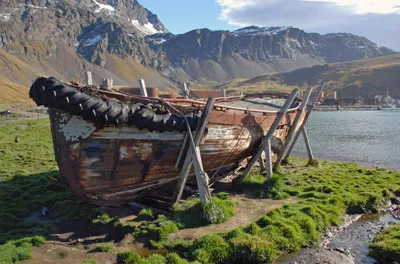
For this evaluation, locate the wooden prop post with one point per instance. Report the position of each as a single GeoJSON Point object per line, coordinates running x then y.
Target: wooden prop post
{"type": "Point", "coordinates": [308, 146]}
{"type": "Point", "coordinates": [193, 157]}
{"type": "Point", "coordinates": [143, 90]}
{"type": "Point", "coordinates": [266, 141]}
{"type": "Point", "coordinates": [185, 91]}
{"type": "Point", "coordinates": [89, 79]}
{"type": "Point", "coordinates": [309, 110]}
{"type": "Point", "coordinates": [294, 127]}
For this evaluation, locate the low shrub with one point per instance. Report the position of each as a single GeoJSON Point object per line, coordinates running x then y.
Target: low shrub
{"type": "Point", "coordinates": [211, 249]}
{"type": "Point", "coordinates": [145, 214]}
{"type": "Point", "coordinates": [103, 248]}
{"type": "Point", "coordinates": [128, 257]}
{"type": "Point", "coordinates": [193, 213]}
{"type": "Point", "coordinates": [89, 261]}
{"type": "Point", "coordinates": [386, 246]}
{"type": "Point", "coordinates": [252, 249]}
{"type": "Point", "coordinates": [157, 230]}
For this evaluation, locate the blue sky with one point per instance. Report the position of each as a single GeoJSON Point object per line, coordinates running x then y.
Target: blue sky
{"type": "Point", "coordinates": [180, 16]}
{"type": "Point", "coordinates": [378, 20]}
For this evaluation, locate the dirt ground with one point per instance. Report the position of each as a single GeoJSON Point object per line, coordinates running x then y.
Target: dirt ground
{"type": "Point", "coordinates": [247, 210]}
{"type": "Point", "coordinates": [73, 243]}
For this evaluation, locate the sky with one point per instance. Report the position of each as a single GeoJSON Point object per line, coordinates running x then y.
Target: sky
{"type": "Point", "coordinates": [378, 20]}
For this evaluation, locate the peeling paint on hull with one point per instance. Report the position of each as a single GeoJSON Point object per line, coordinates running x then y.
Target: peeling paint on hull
{"type": "Point", "coordinates": [111, 165]}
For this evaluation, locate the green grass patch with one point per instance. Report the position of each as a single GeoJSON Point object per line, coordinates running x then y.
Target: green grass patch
{"type": "Point", "coordinates": [88, 261]}
{"type": "Point", "coordinates": [103, 248]}
{"type": "Point", "coordinates": [327, 191]}
{"type": "Point", "coordinates": [29, 181]}
{"type": "Point", "coordinates": [193, 213]}
{"type": "Point", "coordinates": [20, 249]}
{"type": "Point", "coordinates": [261, 187]}
{"type": "Point", "coordinates": [157, 230]}
{"type": "Point", "coordinates": [130, 257]}
{"type": "Point", "coordinates": [386, 246]}
{"type": "Point", "coordinates": [145, 214]}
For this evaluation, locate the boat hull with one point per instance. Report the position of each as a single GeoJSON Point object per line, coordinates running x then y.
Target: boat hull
{"type": "Point", "coordinates": [112, 165]}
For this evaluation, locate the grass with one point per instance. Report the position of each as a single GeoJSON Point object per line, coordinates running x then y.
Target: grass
{"type": "Point", "coordinates": [89, 261]}
{"type": "Point", "coordinates": [192, 213]}
{"type": "Point", "coordinates": [263, 188]}
{"type": "Point", "coordinates": [29, 180]}
{"type": "Point", "coordinates": [130, 257]}
{"type": "Point", "coordinates": [145, 214]}
{"type": "Point", "coordinates": [327, 191]}
{"type": "Point", "coordinates": [103, 248]}
{"type": "Point", "coordinates": [386, 246]}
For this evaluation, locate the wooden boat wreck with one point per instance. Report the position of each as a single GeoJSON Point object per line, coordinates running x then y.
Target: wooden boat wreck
{"type": "Point", "coordinates": [112, 147]}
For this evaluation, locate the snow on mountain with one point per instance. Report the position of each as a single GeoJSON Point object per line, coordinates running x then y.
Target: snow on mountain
{"type": "Point", "coordinates": [146, 29]}
{"type": "Point", "coordinates": [253, 30]}
{"type": "Point", "coordinates": [5, 17]}
{"type": "Point", "coordinates": [92, 41]}
{"type": "Point", "coordinates": [103, 6]}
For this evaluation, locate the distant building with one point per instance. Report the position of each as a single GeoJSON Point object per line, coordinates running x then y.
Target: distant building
{"type": "Point", "coordinates": [329, 95]}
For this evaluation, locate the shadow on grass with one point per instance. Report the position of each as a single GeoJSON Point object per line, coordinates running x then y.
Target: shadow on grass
{"type": "Point", "coordinates": [23, 198]}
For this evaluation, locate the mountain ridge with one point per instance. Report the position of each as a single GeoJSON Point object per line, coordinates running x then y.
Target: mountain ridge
{"type": "Point", "coordinates": [360, 78]}
{"type": "Point", "coordinates": [102, 34]}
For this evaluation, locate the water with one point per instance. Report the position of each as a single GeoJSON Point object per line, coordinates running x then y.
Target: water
{"type": "Point", "coordinates": [370, 138]}
{"type": "Point", "coordinates": [366, 137]}
{"type": "Point", "coordinates": [354, 240]}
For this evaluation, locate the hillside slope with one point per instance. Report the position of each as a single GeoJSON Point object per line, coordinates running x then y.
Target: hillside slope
{"type": "Point", "coordinates": [18, 71]}
{"type": "Point", "coordinates": [351, 79]}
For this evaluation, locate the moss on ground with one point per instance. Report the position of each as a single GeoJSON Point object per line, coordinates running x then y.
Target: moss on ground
{"type": "Point", "coordinates": [192, 213]}
{"type": "Point", "coordinates": [29, 181]}
{"type": "Point", "coordinates": [327, 192]}
{"type": "Point", "coordinates": [386, 246]}
{"type": "Point", "coordinates": [130, 257]}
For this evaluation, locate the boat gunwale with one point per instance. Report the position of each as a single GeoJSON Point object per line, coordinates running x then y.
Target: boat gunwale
{"type": "Point", "coordinates": [202, 103]}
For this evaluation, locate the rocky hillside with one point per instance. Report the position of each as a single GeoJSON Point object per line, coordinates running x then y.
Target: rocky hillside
{"type": "Point", "coordinates": [367, 77]}
{"type": "Point", "coordinates": [252, 51]}
{"type": "Point", "coordinates": [124, 40]}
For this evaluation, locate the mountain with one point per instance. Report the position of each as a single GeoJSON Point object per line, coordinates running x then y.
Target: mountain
{"type": "Point", "coordinates": [64, 38]}
{"type": "Point", "coordinates": [123, 40]}
{"type": "Point", "coordinates": [361, 78]}
{"type": "Point", "coordinates": [252, 51]}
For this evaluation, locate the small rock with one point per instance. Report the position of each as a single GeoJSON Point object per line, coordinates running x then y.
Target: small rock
{"type": "Point", "coordinates": [395, 200]}
{"type": "Point", "coordinates": [44, 211]}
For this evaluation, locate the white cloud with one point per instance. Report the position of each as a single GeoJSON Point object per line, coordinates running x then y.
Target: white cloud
{"type": "Point", "coordinates": [374, 19]}
{"type": "Point", "coordinates": [364, 7]}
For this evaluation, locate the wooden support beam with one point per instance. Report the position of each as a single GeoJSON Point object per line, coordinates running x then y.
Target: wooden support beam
{"type": "Point", "coordinates": [268, 158]}
{"type": "Point", "coordinates": [294, 127]}
{"type": "Point", "coordinates": [261, 162]}
{"type": "Point", "coordinates": [308, 146]}
{"type": "Point", "coordinates": [201, 177]}
{"type": "Point", "coordinates": [185, 90]}
{"type": "Point", "coordinates": [309, 110]}
{"type": "Point", "coordinates": [143, 90]}
{"type": "Point", "coordinates": [267, 137]}
{"type": "Point", "coordinates": [89, 79]}
{"type": "Point", "coordinates": [184, 147]}
{"type": "Point", "coordinates": [187, 165]}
